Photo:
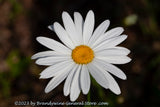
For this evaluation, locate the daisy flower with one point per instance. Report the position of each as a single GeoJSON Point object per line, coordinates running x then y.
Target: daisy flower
{"type": "Point", "coordinates": [84, 51]}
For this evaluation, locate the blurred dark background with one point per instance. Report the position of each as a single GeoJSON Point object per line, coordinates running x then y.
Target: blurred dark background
{"type": "Point", "coordinates": [21, 21]}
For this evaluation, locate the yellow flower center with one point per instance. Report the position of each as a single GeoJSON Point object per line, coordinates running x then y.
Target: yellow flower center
{"type": "Point", "coordinates": [82, 54]}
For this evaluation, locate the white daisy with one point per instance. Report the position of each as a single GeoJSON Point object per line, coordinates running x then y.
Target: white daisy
{"type": "Point", "coordinates": [82, 53]}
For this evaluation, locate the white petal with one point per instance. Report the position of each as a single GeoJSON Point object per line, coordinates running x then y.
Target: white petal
{"type": "Point", "coordinates": [85, 80]}
{"type": "Point", "coordinates": [70, 28]}
{"type": "Point", "coordinates": [52, 44]}
{"type": "Point", "coordinates": [109, 34]}
{"type": "Point", "coordinates": [99, 31]}
{"type": "Point", "coordinates": [112, 52]}
{"type": "Point", "coordinates": [112, 69]}
{"type": "Point", "coordinates": [113, 32]}
{"type": "Point", "coordinates": [109, 43]}
{"type": "Point", "coordinates": [115, 59]}
{"type": "Point", "coordinates": [67, 84]}
{"type": "Point", "coordinates": [113, 86]}
{"type": "Point", "coordinates": [58, 79]}
{"type": "Point", "coordinates": [127, 51]}
{"type": "Point", "coordinates": [98, 75]}
{"type": "Point", "coordinates": [47, 54]}
{"type": "Point", "coordinates": [54, 69]}
{"type": "Point", "coordinates": [51, 27]}
{"type": "Point", "coordinates": [51, 60]}
{"type": "Point", "coordinates": [79, 25]}
{"type": "Point", "coordinates": [88, 26]}
{"type": "Point", "coordinates": [75, 86]}
{"type": "Point", "coordinates": [63, 35]}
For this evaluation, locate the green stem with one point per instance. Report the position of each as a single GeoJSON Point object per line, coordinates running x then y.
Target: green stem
{"type": "Point", "coordinates": [89, 96]}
